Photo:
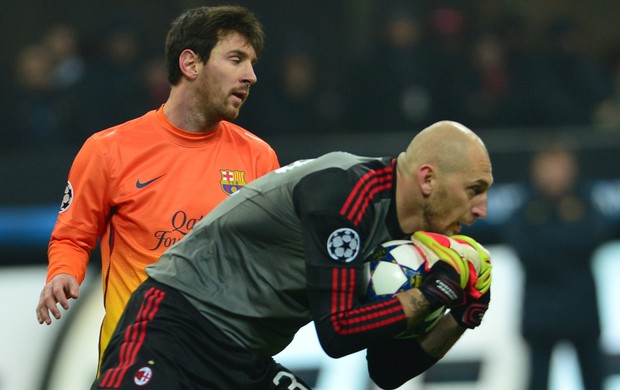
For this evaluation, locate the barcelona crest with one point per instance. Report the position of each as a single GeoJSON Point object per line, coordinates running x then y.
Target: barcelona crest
{"type": "Point", "coordinates": [232, 181]}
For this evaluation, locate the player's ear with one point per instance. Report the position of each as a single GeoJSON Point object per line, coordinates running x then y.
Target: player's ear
{"type": "Point", "coordinates": [188, 63]}
{"type": "Point", "coordinates": [425, 178]}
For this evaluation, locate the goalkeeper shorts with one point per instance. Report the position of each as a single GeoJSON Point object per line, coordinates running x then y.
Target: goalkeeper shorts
{"type": "Point", "coordinates": [163, 341]}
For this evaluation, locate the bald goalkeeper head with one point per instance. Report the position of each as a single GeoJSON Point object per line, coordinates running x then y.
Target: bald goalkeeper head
{"type": "Point", "coordinates": [442, 179]}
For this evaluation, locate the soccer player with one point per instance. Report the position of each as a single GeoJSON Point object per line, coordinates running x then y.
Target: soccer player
{"type": "Point", "coordinates": [218, 305]}
{"type": "Point", "coordinates": [141, 186]}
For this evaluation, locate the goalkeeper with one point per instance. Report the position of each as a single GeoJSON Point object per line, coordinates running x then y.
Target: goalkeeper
{"type": "Point", "coordinates": [288, 249]}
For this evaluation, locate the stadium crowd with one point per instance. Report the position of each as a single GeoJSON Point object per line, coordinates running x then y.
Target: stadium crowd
{"type": "Point", "coordinates": [421, 64]}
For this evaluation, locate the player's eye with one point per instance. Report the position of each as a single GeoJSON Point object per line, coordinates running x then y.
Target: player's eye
{"type": "Point", "coordinates": [475, 190]}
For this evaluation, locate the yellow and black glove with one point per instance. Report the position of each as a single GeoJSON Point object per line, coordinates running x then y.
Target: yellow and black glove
{"type": "Point", "coordinates": [478, 296]}
{"type": "Point", "coordinates": [480, 276]}
{"type": "Point", "coordinates": [448, 272]}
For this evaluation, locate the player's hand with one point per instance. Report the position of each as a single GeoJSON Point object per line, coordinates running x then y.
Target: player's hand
{"type": "Point", "coordinates": [58, 290]}
{"type": "Point", "coordinates": [439, 248]}
{"type": "Point", "coordinates": [480, 277]}
{"type": "Point", "coordinates": [471, 313]}
{"type": "Point", "coordinates": [441, 287]}
{"type": "Point", "coordinates": [448, 272]}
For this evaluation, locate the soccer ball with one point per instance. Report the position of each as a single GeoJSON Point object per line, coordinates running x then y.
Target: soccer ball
{"type": "Point", "coordinates": [396, 266]}
{"type": "Point", "coordinates": [392, 267]}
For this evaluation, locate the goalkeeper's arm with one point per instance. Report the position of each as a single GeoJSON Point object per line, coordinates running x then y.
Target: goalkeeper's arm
{"type": "Point", "coordinates": [394, 362]}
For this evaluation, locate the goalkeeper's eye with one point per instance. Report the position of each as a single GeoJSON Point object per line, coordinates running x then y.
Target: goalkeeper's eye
{"type": "Point", "coordinates": [474, 191]}
{"type": "Point", "coordinates": [477, 189]}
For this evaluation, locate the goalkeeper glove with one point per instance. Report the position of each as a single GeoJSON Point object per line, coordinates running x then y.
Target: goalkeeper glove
{"type": "Point", "coordinates": [480, 277]}
{"type": "Point", "coordinates": [439, 248]}
{"type": "Point", "coordinates": [471, 313]}
{"type": "Point", "coordinates": [448, 271]}
{"type": "Point", "coordinates": [441, 287]}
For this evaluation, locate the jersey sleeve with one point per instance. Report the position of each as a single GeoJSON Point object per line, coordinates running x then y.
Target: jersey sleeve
{"type": "Point", "coordinates": [395, 361]}
{"type": "Point", "coordinates": [268, 162]}
{"type": "Point", "coordinates": [333, 242]}
{"type": "Point", "coordinates": [83, 213]}
{"type": "Point", "coordinates": [264, 158]}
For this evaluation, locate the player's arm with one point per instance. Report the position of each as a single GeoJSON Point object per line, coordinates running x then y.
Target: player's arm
{"type": "Point", "coordinates": [268, 163]}
{"type": "Point", "coordinates": [80, 222]}
{"type": "Point", "coordinates": [264, 158]}
{"type": "Point", "coordinates": [443, 286]}
{"type": "Point", "coordinates": [334, 281]}
{"type": "Point", "coordinates": [344, 324]}
{"type": "Point", "coordinates": [395, 361]}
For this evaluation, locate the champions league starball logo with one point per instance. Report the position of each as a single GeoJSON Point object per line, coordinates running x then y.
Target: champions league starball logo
{"type": "Point", "coordinates": [67, 198]}
{"type": "Point", "coordinates": [343, 244]}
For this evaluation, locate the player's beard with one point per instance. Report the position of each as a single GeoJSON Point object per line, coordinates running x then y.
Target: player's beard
{"type": "Point", "coordinates": [232, 109]}
{"type": "Point", "coordinates": [219, 108]}
{"type": "Point", "coordinates": [224, 108]}
{"type": "Point", "coordinates": [434, 208]}
{"type": "Point", "coordinates": [218, 103]}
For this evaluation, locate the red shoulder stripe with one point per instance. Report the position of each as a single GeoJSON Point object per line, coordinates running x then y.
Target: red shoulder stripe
{"type": "Point", "coordinates": [364, 190]}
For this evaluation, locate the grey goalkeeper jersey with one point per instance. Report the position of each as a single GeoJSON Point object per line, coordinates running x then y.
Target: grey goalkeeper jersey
{"type": "Point", "coordinates": [288, 249]}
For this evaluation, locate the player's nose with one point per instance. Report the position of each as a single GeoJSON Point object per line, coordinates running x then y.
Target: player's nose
{"type": "Point", "coordinates": [479, 207]}
{"type": "Point", "coordinates": [249, 76]}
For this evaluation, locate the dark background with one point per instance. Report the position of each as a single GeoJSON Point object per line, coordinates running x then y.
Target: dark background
{"type": "Point", "coordinates": [343, 42]}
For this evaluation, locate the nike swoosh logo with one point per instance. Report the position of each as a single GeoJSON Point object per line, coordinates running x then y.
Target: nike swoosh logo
{"type": "Point", "coordinates": [146, 183]}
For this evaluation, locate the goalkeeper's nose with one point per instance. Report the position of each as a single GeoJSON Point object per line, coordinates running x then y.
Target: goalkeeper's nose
{"type": "Point", "coordinates": [479, 207]}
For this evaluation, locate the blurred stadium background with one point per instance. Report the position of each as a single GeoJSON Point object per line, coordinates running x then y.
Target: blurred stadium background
{"type": "Point", "coordinates": [355, 75]}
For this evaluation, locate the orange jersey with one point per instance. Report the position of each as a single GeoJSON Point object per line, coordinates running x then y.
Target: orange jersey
{"type": "Point", "coordinates": [140, 187]}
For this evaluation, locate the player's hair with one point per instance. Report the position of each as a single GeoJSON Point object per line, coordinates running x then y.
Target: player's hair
{"type": "Point", "coordinates": [199, 29]}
